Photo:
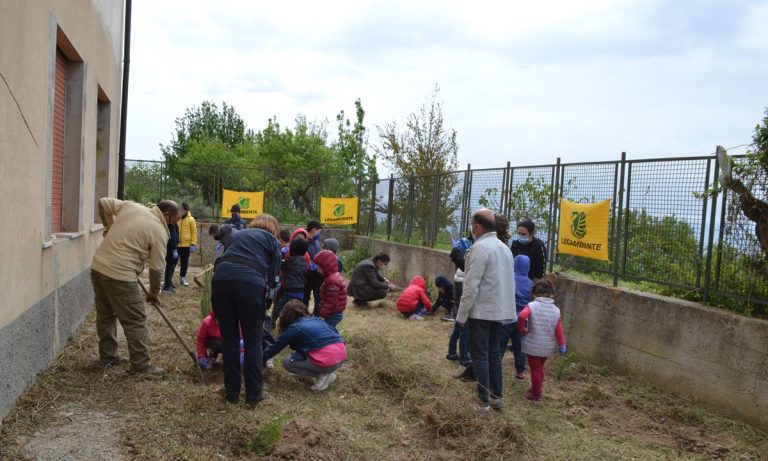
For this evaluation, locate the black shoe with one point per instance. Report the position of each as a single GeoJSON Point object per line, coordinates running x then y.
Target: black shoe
{"type": "Point", "coordinates": [253, 400]}
{"type": "Point", "coordinates": [467, 375]}
{"type": "Point", "coordinates": [360, 303]}
{"type": "Point", "coordinates": [452, 357]}
{"type": "Point", "coordinates": [466, 364]}
{"type": "Point", "coordinates": [169, 289]}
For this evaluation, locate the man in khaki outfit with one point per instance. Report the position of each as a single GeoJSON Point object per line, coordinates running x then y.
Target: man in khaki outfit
{"type": "Point", "coordinates": [133, 235]}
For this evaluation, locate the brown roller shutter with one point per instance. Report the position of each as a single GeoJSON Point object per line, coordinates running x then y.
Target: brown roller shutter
{"type": "Point", "coordinates": [59, 112]}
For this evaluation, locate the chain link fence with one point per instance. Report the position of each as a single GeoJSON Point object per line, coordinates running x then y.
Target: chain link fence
{"type": "Point", "coordinates": [666, 227]}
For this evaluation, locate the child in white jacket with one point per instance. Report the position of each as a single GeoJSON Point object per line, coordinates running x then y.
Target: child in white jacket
{"type": "Point", "coordinates": [542, 325]}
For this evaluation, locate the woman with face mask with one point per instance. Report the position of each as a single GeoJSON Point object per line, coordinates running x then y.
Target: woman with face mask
{"type": "Point", "coordinates": [526, 243]}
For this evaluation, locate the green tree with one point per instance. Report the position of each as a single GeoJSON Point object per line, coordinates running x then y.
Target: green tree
{"type": "Point", "coordinates": [205, 122]}
{"type": "Point", "coordinates": [352, 157]}
{"type": "Point", "coordinates": [423, 155]}
{"type": "Point", "coordinates": [748, 180]}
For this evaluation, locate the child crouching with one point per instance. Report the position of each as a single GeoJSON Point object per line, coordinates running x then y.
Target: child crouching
{"type": "Point", "coordinates": [542, 325]}
{"type": "Point", "coordinates": [413, 301]}
{"type": "Point", "coordinates": [319, 350]}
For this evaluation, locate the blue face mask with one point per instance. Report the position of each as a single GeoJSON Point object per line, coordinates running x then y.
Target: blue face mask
{"type": "Point", "coordinates": [523, 239]}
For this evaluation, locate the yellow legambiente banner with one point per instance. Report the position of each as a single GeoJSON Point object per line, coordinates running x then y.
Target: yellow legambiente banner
{"type": "Point", "coordinates": [338, 210]}
{"type": "Point", "coordinates": [251, 203]}
{"type": "Point", "coordinates": [584, 229]}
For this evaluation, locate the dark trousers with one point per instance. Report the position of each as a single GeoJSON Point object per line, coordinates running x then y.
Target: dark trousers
{"type": "Point", "coordinates": [183, 260]}
{"type": "Point", "coordinates": [486, 359]}
{"type": "Point", "coordinates": [460, 337]}
{"type": "Point", "coordinates": [312, 286]}
{"type": "Point", "coordinates": [240, 305]}
{"type": "Point", "coordinates": [170, 266]}
{"type": "Point", "coordinates": [509, 332]}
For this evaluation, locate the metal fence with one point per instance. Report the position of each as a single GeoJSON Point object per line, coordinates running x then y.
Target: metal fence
{"type": "Point", "coordinates": [665, 226]}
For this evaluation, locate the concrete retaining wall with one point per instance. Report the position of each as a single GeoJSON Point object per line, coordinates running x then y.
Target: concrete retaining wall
{"type": "Point", "coordinates": [685, 348]}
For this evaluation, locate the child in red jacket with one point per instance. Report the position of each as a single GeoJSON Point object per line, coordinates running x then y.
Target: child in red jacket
{"type": "Point", "coordinates": [333, 290]}
{"type": "Point", "coordinates": [209, 342]}
{"type": "Point", "coordinates": [413, 301]}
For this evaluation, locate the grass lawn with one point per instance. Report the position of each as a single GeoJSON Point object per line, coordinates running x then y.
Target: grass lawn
{"type": "Point", "coordinates": [395, 399]}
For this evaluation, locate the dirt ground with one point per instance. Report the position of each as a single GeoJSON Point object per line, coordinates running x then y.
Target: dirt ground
{"type": "Point", "coordinates": [395, 399]}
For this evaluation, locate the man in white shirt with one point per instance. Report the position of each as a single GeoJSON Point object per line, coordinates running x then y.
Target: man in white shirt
{"type": "Point", "coordinates": [487, 302]}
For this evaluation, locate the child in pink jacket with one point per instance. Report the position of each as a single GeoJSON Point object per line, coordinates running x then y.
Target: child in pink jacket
{"type": "Point", "coordinates": [413, 301]}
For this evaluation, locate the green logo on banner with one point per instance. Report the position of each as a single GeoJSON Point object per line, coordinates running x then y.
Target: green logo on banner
{"type": "Point", "coordinates": [244, 202]}
{"type": "Point", "coordinates": [339, 209]}
{"type": "Point", "coordinates": [579, 224]}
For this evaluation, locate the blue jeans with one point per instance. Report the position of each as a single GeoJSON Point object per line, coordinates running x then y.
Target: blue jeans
{"type": "Point", "coordinates": [460, 336]}
{"type": "Point", "coordinates": [486, 359]}
{"type": "Point", "coordinates": [283, 301]}
{"type": "Point", "coordinates": [510, 332]}
{"type": "Point", "coordinates": [334, 319]}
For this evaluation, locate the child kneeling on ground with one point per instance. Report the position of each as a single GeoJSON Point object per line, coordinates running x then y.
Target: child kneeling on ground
{"type": "Point", "coordinates": [542, 326]}
{"type": "Point", "coordinates": [413, 301]}
{"type": "Point", "coordinates": [319, 350]}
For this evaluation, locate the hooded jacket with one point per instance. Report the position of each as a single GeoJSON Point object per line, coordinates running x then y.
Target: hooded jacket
{"type": "Point", "coordinates": [444, 294]}
{"type": "Point", "coordinates": [187, 231]}
{"type": "Point", "coordinates": [333, 290]}
{"type": "Point", "coordinates": [333, 245]}
{"type": "Point", "coordinates": [523, 284]}
{"type": "Point", "coordinates": [209, 329]}
{"type": "Point", "coordinates": [300, 231]}
{"type": "Point", "coordinates": [413, 293]}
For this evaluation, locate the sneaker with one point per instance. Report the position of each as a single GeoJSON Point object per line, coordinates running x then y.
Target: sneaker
{"type": "Point", "coordinates": [169, 289]}
{"type": "Point", "coordinates": [497, 404]}
{"type": "Point", "coordinates": [519, 376]}
{"type": "Point", "coordinates": [147, 370]}
{"type": "Point", "coordinates": [322, 382]}
{"type": "Point", "coordinates": [184, 282]}
{"type": "Point", "coordinates": [452, 357]}
{"type": "Point", "coordinates": [270, 363]}
{"type": "Point", "coordinates": [416, 317]}
{"type": "Point", "coordinates": [480, 407]}
{"type": "Point", "coordinates": [448, 319]}
{"type": "Point", "coordinates": [332, 379]}
{"type": "Point", "coordinates": [528, 395]}
{"type": "Point", "coordinates": [466, 363]}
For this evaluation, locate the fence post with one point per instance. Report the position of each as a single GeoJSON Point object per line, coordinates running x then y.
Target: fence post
{"type": "Point", "coordinates": [359, 203]}
{"type": "Point", "coordinates": [435, 210]}
{"type": "Point", "coordinates": [718, 264]}
{"type": "Point", "coordinates": [372, 218]}
{"type": "Point", "coordinates": [505, 186]}
{"type": "Point", "coordinates": [710, 240]}
{"type": "Point", "coordinates": [389, 204]}
{"type": "Point", "coordinates": [465, 198]}
{"type": "Point", "coordinates": [409, 219]}
{"type": "Point", "coordinates": [619, 214]}
{"type": "Point", "coordinates": [553, 212]}
{"type": "Point", "coordinates": [702, 229]}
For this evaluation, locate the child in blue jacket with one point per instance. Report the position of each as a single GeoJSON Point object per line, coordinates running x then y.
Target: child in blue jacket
{"type": "Point", "coordinates": [523, 285]}
{"type": "Point", "coordinates": [319, 350]}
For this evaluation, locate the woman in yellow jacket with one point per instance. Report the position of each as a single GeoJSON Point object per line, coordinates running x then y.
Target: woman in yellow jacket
{"type": "Point", "coordinates": [187, 241]}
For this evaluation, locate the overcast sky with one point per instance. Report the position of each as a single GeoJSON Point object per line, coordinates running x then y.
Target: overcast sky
{"type": "Point", "coordinates": [520, 82]}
